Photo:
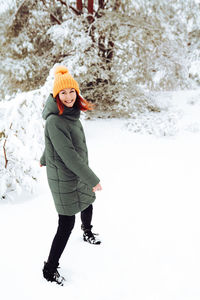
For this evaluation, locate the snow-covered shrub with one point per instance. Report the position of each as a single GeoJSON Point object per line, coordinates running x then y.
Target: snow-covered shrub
{"type": "Point", "coordinates": [22, 141]}
{"type": "Point", "coordinates": [195, 69]}
{"type": "Point", "coordinates": [157, 124]}
{"type": "Point", "coordinates": [179, 113]}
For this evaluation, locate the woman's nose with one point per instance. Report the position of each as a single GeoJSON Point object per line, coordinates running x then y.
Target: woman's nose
{"type": "Point", "coordinates": [67, 96]}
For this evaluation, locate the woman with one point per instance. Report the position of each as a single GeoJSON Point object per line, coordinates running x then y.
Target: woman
{"type": "Point", "coordinates": [72, 183]}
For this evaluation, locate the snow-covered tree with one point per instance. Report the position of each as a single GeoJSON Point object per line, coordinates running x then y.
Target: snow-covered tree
{"type": "Point", "coordinates": [111, 45]}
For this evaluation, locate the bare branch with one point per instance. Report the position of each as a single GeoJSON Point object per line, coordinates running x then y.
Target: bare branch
{"type": "Point", "coordinates": [77, 12]}
{"type": "Point", "coordinates": [55, 19]}
{"type": "Point", "coordinates": [63, 2]}
{"type": "Point", "coordinates": [4, 150]}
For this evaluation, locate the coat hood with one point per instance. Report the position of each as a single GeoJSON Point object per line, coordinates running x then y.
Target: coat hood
{"type": "Point", "coordinates": [72, 113]}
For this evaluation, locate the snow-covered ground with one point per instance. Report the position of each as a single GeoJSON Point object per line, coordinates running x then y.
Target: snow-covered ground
{"type": "Point", "coordinates": [147, 216]}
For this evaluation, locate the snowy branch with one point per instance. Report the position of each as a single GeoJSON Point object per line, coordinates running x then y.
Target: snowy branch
{"type": "Point", "coordinates": [17, 12]}
{"type": "Point", "coordinates": [54, 18]}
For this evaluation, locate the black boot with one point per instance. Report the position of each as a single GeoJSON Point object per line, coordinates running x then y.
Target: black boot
{"type": "Point", "coordinates": [90, 237]}
{"type": "Point", "coordinates": [50, 273]}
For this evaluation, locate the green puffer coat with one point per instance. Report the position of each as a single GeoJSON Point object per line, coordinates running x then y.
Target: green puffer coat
{"type": "Point", "coordinates": [66, 159]}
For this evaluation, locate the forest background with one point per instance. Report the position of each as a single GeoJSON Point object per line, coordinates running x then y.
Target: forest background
{"type": "Point", "coordinates": [122, 53]}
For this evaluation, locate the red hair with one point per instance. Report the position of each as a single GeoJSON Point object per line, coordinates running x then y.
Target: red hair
{"type": "Point", "coordinates": [82, 104]}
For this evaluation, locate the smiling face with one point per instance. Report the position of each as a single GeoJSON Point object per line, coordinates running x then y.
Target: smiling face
{"type": "Point", "coordinates": [68, 97]}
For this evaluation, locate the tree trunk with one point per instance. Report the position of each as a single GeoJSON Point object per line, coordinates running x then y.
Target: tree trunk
{"type": "Point", "coordinates": [106, 45]}
{"type": "Point", "coordinates": [90, 11]}
{"type": "Point", "coordinates": [101, 4]}
{"type": "Point", "coordinates": [90, 6]}
{"type": "Point", "coordinates": [79, 5]}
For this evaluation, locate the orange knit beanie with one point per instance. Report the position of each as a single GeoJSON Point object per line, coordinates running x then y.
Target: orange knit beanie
{"type": "Point", "coordinates": [63, 80]}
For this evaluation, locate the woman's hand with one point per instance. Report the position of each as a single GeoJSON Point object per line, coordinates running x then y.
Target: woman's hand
{"type": "Point", "coordinates": [98, 187]}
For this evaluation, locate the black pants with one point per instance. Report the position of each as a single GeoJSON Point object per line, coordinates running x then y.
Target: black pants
{"type": "Point", "coordinates": [65, 226]}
